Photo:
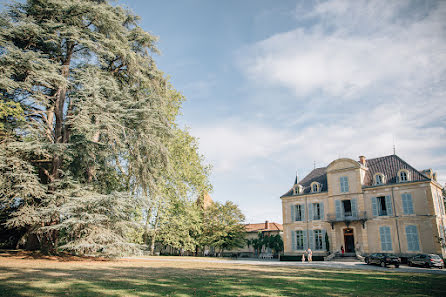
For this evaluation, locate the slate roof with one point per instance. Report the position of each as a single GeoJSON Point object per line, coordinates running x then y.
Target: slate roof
{"type": "Point", "coordinates": [318, 174]}
{"type": "Point", "coordinates": [261, 227]}
{"type": "Point", "coordinates": [387, 165]}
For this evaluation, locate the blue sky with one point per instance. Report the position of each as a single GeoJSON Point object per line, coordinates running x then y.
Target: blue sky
{"type": "Point", "coordinates": [278, 86]}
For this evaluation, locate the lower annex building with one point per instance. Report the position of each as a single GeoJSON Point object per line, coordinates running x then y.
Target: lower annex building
{"type": "Point", "coordinates": [366, 206]}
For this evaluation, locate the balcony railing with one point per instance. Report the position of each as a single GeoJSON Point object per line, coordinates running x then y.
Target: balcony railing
{"type": "Point", "coordinates": [347, 218]}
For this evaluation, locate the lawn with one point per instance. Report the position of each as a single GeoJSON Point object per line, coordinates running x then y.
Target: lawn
{"type": "Point", "coordinates": [25, 276]}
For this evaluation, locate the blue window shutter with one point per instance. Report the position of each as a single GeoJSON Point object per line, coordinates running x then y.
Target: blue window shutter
{"type": "Point", "coordinates": [404, 200]}
{"type": "Point", "coordinates": [389, 239]}
{"type": "Point", "coordinates": [338, 210]}
{"type": "Point", "coordinates": [386, 239]}
{"type": "Point", "coordinates": [374, 207]}
{"type": "Point", "coordinates": [409, 237]}
{"type": "Point", "coordinates": [311, 239]}
{"type": "Point", "coordinates": [305, 239]}
{"type": "Point", "coordinates": [293, 240]}
{"type": "Point", "coordinates": [344, 184]}
{"type": "Point", "coordinates": [389, 206]}
{"type": "Point", "coordinates": [302, 209]}
{"type": "Point", "coordinates": [382, 235]}
{"type": "Point", "coordinates": [323, 239]}
{"type": "Point", "coordinates": [354, 208]}
{"type": "Point", "coordinates": [293, 213]}
{"type": "Point", "coordinates": [409, 203]}
{"type": "Point", "coordinates": [322, 210]}
{"type": "Point", "coordinates": [310, 212]}
{"type": "Point", "coordinates": [412, 238]}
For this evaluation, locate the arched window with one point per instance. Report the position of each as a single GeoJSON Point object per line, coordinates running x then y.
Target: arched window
{"type": "Point", "coordinates": [403, 176]}
{"type": "Point", "coordinates": [315, 187]}
{"type": "Point", "coordinates": [380, 179]}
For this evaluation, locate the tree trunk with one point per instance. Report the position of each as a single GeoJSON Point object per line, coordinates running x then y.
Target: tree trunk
{"type": "Point", "coordinates": [61, 131]}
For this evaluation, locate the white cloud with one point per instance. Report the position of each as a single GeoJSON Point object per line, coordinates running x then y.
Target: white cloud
{"type": "Point", "coordinates": [355, 46]}
{"type": "Point", "coordinates": [364, 74]}
{"type": "Point", "coordinates": [230, 143]}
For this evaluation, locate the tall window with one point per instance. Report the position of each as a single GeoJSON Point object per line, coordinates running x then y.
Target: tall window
{"type": "Point", "coordinates": [347, 208]}
{"type": "Point", "coordinates": [386, 239]}
{"type": "Point", "coordinates": [300, 240]}
{"type": "Point", "coordinates": [298, 214]}
{"type": "Point", "coordinates": [407, 203]}
{"type": "Point", "coordinates": [318, 239]}
{"type": "Point", "coordinates": [382, 208]}
{"type": "Point", "coordinates": [344, 184]}
{"type": "Point", "coordinates": [412, 238]}
{"type": "Point", "coordinates": [314, 188]}
{"type": "Point", "coordinates": [316, 211]}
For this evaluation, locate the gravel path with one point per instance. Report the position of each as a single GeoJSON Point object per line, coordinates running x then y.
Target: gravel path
{"type": "Point", "coordinates": [330, 264]}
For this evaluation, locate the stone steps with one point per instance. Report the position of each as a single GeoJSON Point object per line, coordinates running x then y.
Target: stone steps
{"type": "Point", "coordinates": [345, 259]}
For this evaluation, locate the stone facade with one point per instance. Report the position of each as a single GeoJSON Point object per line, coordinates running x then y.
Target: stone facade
{"type": "Point", "coordinates": [366, 206]}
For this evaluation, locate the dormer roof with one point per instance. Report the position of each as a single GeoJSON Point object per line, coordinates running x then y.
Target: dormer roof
{"type": "Point", "coordinates": [387, 165]}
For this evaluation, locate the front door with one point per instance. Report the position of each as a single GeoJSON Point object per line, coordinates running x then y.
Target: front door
{"type": "Point", "coordinates": [349, 241]}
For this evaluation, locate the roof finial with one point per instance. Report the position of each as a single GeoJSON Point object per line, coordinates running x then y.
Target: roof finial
{"type": "Point", "coordinates": [394, 150]}
{"type": "Point", "coordinates": [314, 164]}
{"type": "Point", "coordinates": [296, 181]}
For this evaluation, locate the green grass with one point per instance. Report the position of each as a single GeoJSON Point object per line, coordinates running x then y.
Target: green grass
{"type": "Point", "coordinates": [39, 277]}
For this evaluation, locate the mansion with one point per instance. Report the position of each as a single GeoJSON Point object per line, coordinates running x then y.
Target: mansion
{"type": "Point", "coordinates": [366, 206]}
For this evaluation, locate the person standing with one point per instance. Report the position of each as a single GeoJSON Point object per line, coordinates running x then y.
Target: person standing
{"type": "Point", "coordinates": [342, 250]}
{"type": "Point", "coordinates": [303, 258]}
{"type": "Point", "coordinates": [310, 255]}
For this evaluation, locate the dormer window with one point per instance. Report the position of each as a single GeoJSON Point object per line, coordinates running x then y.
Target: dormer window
{"type": "Point", "coordinates": [298, 190]}
{"type": "Point", "coordinates": [315, 187]}
{"type": "Point", "coordinates": [379, 179]}
{"type": "Point", "coordinates": [403, 175]}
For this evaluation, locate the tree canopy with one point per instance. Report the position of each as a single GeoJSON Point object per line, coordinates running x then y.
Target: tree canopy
{"type": "Point", "coordinates": [90, 145]}
{"type": "Point", "coordinates": [222, 226]}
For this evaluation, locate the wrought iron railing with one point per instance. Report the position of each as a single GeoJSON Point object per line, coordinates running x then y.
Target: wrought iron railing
{"type": "Point", "coordinates": [347, 217]}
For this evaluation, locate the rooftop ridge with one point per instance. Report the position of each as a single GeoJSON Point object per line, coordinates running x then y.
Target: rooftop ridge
{"type": "Point", "coordinates": [388, 165]}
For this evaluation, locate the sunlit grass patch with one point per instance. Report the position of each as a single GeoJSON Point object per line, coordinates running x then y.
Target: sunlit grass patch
{"type": "Point", "coordinates": [37, 277]}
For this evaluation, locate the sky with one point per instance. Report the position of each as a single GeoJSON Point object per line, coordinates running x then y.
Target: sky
{"type": "Point", "coordinates": [275, 87]}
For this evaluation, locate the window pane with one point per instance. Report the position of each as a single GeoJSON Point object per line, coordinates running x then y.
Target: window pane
{"type": "Point", "coordinates": [318, 239]}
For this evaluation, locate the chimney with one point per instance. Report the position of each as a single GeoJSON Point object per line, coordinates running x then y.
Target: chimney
{"type": "Point", "coordinates": [362, 160]}
{"type": "Point", "coordinates": [266, 225]}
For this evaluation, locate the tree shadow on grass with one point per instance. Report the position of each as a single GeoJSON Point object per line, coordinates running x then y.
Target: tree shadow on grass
{"type": "Point", "coordinates": [152, 280]}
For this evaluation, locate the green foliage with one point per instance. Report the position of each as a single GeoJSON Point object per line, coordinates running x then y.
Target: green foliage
{"type": "Point", "coordinates": [274, 242]}
{"type": "Point", "coordinates": [222, 226]}
{"type": "Point", "coordinates": [10, 112]}
{"type": "Point", "coordinates": [91, 128]}
{"type": "Point", "coordinates": [180, 226]}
